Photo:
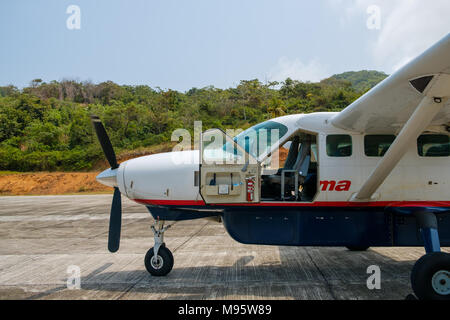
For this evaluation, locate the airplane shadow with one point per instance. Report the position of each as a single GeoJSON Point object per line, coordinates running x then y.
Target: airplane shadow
{"type": "Point", "coordinates": [301, 273]}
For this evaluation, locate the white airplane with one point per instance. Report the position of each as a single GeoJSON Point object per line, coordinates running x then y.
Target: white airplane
{"type": "Point", "coordinates": [376, 174]}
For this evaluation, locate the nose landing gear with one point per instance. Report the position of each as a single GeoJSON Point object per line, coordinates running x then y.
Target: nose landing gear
{"type": "Point", "coordinates": [159, 260]}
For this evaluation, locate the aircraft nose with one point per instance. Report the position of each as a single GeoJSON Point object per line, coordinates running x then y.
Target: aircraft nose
{"type": "Point", "coordinates": [108, 177]}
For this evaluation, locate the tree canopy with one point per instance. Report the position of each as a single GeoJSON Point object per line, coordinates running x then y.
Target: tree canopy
{"type": "Point", "coordinates": [46, 126]}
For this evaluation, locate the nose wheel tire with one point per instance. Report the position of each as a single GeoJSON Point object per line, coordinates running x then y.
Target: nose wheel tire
{"type": "Point", "coordinates": [160, 265]}
{"type": "Point", "coordinates": [357, 248]}
{"type": "Point", "coordinates": [430, 277]}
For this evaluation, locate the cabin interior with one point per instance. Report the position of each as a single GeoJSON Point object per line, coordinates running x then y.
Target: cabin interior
{"type": "Point", "coordinates": [290, 174]}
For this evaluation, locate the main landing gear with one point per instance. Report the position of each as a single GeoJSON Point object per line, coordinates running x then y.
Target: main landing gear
{"type": "Point", "coordinates": [159, 259]}
{"type": "Point", "coordinates": [430, 276]}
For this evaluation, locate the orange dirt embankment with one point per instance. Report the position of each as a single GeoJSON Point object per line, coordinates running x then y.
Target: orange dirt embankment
{"type": "Point", "coordinates": [50, 183]}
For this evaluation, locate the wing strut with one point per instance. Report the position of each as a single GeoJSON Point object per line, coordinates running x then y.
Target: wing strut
{"type": "Point", "coordinates": [419, 121]}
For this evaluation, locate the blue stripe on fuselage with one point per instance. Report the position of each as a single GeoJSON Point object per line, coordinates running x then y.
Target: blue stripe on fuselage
{"type": "Point", "coordinates": [315, 226]}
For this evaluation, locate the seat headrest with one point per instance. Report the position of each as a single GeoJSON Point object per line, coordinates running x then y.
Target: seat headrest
{"type": "Point", "coordinates": [292, 154]}
{"type": "Point", "coordinates": [305, 150]}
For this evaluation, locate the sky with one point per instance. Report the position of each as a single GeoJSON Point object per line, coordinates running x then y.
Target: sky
{"type": "Point", "coordinates": [180, 44]}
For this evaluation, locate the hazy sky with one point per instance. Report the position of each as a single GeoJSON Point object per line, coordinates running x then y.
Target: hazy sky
{"type": "Point", "coordinates": [181, 44]}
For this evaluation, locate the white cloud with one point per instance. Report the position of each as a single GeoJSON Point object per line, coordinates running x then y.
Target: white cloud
{"type": "Point", "coordinates": [408, 27]}
{"type": "Point", "coordinates": [297, 70]}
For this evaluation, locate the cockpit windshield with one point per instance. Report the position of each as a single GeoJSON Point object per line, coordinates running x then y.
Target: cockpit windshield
{"type": "Point", "coordinates": [260, 138]}
{"type": "Point", "coordinates": [256, 141]}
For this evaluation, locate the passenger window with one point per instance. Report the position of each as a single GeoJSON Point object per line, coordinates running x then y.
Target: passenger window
{"type": "Point", "coordinates": [433, 145]}
{"type": "Point", "coordinates": [339, 145]}
{"type": "Point", "coordinates": [377, 145]}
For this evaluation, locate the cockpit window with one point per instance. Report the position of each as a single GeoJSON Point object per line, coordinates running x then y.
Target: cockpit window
{"type": "Point", "coordinates": [260, 138]}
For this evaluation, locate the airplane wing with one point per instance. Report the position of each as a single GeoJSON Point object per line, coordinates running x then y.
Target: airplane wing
{"type": "Point", "coordinates": [389, 105]}
{"type": "Point", "coordinates": [412, 100]}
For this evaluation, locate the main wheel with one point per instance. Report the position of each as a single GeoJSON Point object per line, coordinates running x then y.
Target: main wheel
{"type": "Point", "coordinates": [160, 265]}
{"type": "Point", "coordinates": [430, 277]}
{"type": "Point", "coordinates": [357, 248]}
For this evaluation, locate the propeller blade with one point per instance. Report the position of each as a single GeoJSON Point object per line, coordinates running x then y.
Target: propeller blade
{"type": "Point", "coordinates": [104, 142]}
{"type": "Point", "coordinates": [115, 222]}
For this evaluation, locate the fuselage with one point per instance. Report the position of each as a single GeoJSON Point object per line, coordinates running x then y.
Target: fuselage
{"type": "Point", "coordinates": [169, 185]}
{"type": "Point", "coordinates": [169, 178]}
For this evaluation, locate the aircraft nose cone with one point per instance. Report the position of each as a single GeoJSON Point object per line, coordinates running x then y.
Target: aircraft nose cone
{"type": "Point", "coordinates": [108, 177]}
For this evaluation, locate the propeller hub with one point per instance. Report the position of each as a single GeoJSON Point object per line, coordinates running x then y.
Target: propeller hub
{"type": "Point", "coordinates": [108, 177]}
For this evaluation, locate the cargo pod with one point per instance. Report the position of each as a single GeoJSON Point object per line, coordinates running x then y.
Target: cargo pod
{"type": "Point", "coordinates": [228, 173]}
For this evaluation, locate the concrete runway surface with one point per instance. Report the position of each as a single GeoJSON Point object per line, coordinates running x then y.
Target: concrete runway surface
{"type": "Point", "coordinates": [40, 237]}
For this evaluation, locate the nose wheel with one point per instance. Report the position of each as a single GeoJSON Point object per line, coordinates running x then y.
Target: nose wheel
{"type": "Point", "coordinates": [160, 264]}
{"type": "Point", "coordinates": [159, 260]}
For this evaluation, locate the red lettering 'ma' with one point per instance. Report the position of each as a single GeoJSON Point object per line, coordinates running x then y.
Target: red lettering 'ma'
{"type": "Point", "coordinates": [333, 186]}
{"type": "Point", "coordinates": [328, 185]}
{"type": "Point", "coordinates": [343, 185]}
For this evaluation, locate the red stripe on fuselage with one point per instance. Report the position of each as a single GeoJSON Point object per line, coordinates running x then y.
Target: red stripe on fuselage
{"type": "Point", "coordinates": [301, 204]}
{"type": "Point", "coordinates": [171, 202]}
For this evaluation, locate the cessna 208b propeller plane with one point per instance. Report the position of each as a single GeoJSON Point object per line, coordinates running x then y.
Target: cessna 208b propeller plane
{"type": "Point", "coordinates": [375, 174]}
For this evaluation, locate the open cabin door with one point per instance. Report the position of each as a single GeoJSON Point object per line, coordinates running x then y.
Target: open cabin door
{"type": "Point", "coordinates": [228, 174]}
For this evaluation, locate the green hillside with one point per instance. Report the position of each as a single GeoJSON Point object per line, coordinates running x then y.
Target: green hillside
{"type": "Point", "coordinates": [46, 126]}
{"type": "Point", "coordinates": [362, 80]}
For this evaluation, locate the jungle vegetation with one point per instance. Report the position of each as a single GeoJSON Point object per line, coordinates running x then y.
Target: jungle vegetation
{"type": "Point", "coordinates": [46, 126]}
